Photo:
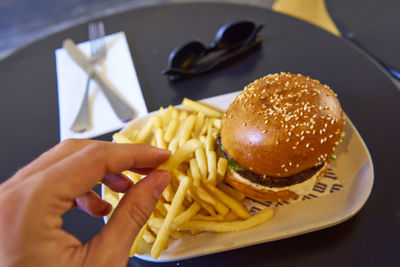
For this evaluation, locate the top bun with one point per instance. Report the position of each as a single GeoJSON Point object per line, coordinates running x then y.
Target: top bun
{"type": "Point", "coordinates": [282, 124]}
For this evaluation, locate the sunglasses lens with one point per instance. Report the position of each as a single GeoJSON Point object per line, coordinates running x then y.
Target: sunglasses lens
{"type": "Point", "coordinates": [233, 34]}
{"type": "Point", "coordinates": [185, 56]}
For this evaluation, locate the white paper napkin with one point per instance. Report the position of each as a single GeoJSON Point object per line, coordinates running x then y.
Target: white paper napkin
{"type": "Point", "coordinates": [71, 79]}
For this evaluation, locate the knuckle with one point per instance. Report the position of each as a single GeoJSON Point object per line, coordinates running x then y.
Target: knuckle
{"type": "Point", "coordinates": [98, 150]}
{"type": "Point", "coordinates": [70, 142]}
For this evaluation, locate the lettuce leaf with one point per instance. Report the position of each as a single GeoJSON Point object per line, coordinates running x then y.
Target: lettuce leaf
{"type": "Point", "coordinates": [232, 163]}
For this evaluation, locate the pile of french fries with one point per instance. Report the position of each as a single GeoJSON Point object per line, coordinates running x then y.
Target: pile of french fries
{"type": "Point", "coordinates": [197, 199]}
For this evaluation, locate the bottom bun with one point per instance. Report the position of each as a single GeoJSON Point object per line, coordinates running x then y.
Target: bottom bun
{"type": "Point", "coordinates": [262, 193]}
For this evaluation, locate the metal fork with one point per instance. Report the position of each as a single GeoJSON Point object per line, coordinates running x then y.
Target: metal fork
{"type": "Point", "coordinates": [98, 53]}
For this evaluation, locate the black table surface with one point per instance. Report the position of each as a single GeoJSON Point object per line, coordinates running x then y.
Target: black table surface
{"type": "Point", "coordinates": [373, 25]}
{"type": "Point", "coordinates": [30, 125]}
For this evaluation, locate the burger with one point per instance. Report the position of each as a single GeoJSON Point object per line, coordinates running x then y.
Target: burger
{"type": "Point", "coordinates": [279, 135]}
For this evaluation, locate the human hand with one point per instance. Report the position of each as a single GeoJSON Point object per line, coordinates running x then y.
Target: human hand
{"type": "Point", "coordinates": [33, 201]}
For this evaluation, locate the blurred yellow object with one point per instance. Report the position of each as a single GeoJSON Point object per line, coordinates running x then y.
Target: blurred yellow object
{"type": "Point", "coordinates": [312, 11]}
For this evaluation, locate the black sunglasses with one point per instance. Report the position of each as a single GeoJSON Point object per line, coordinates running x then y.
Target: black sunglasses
{"type": "Point", "coordinates": [232, 41]}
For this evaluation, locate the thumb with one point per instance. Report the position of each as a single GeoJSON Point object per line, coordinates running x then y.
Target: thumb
{"type": "Point", "coordinates": [112, 245]}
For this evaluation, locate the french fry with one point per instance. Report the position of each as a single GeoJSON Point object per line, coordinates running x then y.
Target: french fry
{"type": "Point", "coordinates": [137, 241]}
{"type": "Point", "coordinates": [153, 141]}
{"type": "Point", "coordinates": [210, 139]}
{"type": "Point", "coordinates": [199, 123]}
{"type": "Point", "coordinates": [231, 216]}
{"type": "Point", "coordinates": [204, 129]}
{"type": "Point", "coordinates": [212, 167]}
{"type": "Point", "coordinates": [195, 172]}
{"type": "Point", "coordinates": [167, 117]}
{"type": "Point", "coordinates": [205, 196]}
{"type": "Point", "coordinates": [201, 161]}
{"type": "Point", "coordinates": [186, 129]}
{"type": "Point", "coordinates": [155, 225]}
{"type": "Point", "coordinates": [199, 107]}
{"type": "Point", "coordinates": [201, 217]}
{"type": "Point", "coordinates": [232, 203]}
{"type": "Point", "coordinates": [174, 112]}
{"type": "Point", "coordinates": [174, 183]}
{"type": "Point", "coordinates": [183, 115]}
{"type": "Point", "coordinates": [167, 206]}
{"type": "Point", "coordinates": [160, 143]}
{"type": "Point", "coordinates": [203, 139]}
{"type": "Point", "coordinates": [215, 133]}
{"type": "Point", "coordinates": [148, 236]}
{"type": "Point", "coordinates": [232, 192]}
{"type": "Point", "coordinates": [162, 238]}
{"type": "Point", "coordinates": [187, 214]}
{"type": "Point", "coordinates": [180, 155]}
{"type": "Point", "coordinates": [222, 164]}
{"type": "Point", "coordinates": [157, 122]}
{"type": "Point", "coordinates": [217, 123]}
{"type": "Point", "coordinates": [222, 227]}
{"type": "Point", "coordinates": [160, 207]}
{"type": "Point", "coordinates": [146, 130]}
{"type": "Point", "coordinates": [171, 129]}
{"type": "Point", "coordinates": [133, 176]}
{"type": "Point", "coordinates": [207, 207]}
{"type": "Point", "coordinates": [134, 136]}
{"type": "Point", "coordinates": [168, 193]}
{"type": "Point", "coordinates": [173, 145]}
{"type": "Point", "coordinates": [121, 139]}
{"type": "Point", "coordinates": [161, 112]}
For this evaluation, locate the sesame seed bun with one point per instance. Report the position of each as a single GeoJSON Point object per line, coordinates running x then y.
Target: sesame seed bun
{"type": "Point", "coordinates": [282, 124]}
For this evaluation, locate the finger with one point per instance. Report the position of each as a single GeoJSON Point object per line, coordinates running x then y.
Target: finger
{"type": "Point", "coordinates": [128, 218]}
{"type": "Point", "coordinates": [142, 170]}
{"type": "Point", "coordinates": [117, 182]}
{"type": "Point", "coordinates": [76, 174]}
{"type": "Point", "coordinates": [53, 155]}
{"type": "Point", "coordinates": [91, 203]}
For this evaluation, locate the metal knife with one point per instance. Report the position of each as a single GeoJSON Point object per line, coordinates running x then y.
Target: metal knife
{"type": "Point", "coordinates": [121, 109]}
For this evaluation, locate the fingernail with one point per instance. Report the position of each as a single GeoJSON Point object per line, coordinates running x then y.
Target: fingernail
{"type": "Point", "coordinates": [164, 151]}
{"type": "Point", "coordinates": [160, 181]}
{"type": "Point", "coordinates": [107, 209]}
